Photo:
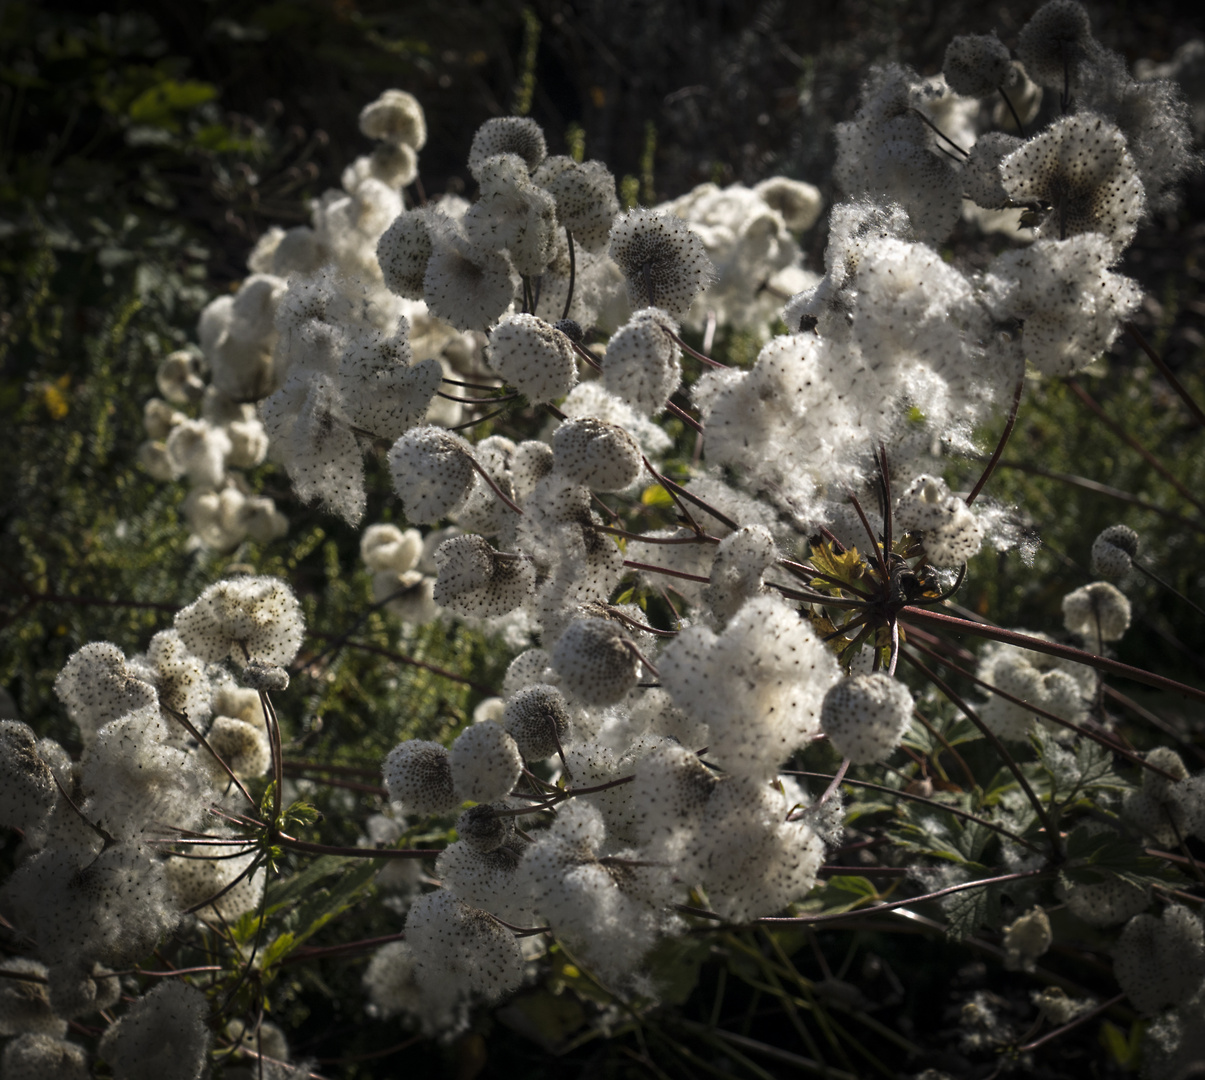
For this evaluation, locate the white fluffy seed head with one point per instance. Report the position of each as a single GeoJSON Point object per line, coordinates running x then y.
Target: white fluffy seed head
{"type": "Point", "coordinates": [596, 661]}
{"type": "Point", "coordinates": [403, 252]}
{"type": "Point", "coordinates": [642, 365]}
{"type": "Point", "coordinates": [1105, 903]}
{"type": "Point", "coordinates": [36, 1056]}
{"type": "Point", "coordinates": [507, 135]}
{"type": "Point", "coordinates": [97, 686]}
{"type": "Point", "coordinates": [1160, 961]}
{"type": "Point", "coordinates": [485, 762]}
{"type": "Point", "coordinates": [514, 214]}
{"type": "Point", "coordinates": [596, 454]}
{"type": "Point", "coordinates": [243, 746]}
{"type": "Point", "coordinates": [664, 263]}
{"type": "Point", "coordinates": [1027, 938]}
{"type": "Point", "coordinates": [164, 1033]}
{"type": "Point", "coordinates": [25, 1005]}
{"type": "Point", "coordinates": [538, 719]}
{"type": "Point", "coordinates": [418, 776]}
{"type": "Point", "coordinates": [483, 829]}
{"type": "Point", "coordinates": [461, 954]}
{"type": "Point", "coordinates": [951, 533]}
{"type": "Point", "coordinates": [467, 285]}
{"type": "Point", "coordinates": [432, 473]}
{"type": "Point", "coordinates": [478, 581]}
{"type": "Point", "coordinates": [865, 716]}
{"type": "Point", "coordinates": [533, 357]}
{"type": "Point", "coordinates": [1069, 302]}
{"type": "Point", "coordinates": [1080, 166]}
{"type": "Point", "coordinates": [27, 788]}
{"type": "Point", "coordinates": [242, 619]}
{"type": "Point", "coordinates": [1097, 610]}
{"type": "Point", "coordinates": [740, 561]}
{"type": "Point", "coordinates": [799, 203]}
{"type": "Point", "coordinates": [976, 64]}
{"type": "Point", "coordinates": [1113, 551]}
{"type": "Point", "coordinates": [586, 203]}
{"type": "Point", "coordinates": [395, 117]}
{"type": "Point", "coordinates": [1057, 41]}
{"type": "Point", "coordinates": [386, 547]}
{"type": "Point", "coordinates": [981, 182]}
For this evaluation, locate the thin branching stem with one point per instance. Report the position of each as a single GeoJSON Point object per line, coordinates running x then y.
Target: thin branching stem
{"type": "Point", "coordinates": [997, 744]}
{"type": "Point", "coordinates": [572, 273]}
{"type": "Point", "coordinates": [952, 624]}
{"type": "Point", "coordinates": [1133, 443]}
{"type": "Point", "coordinates": [1108, 743]}
{"type": "Point", "coordinates": [994, 460]}
{"type": "Point", "coordinates": [1197, 413]}
{"type": "Point", "coordinates": [900, 793]}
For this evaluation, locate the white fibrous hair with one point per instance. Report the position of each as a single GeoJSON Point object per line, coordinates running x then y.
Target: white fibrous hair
{"type": "Point", "coordinates": [976, 64]}
{"type": "Point", "coordinates": [865, 716]}
{"type": "Point", "coordinates": [642, 365]}
{"type": "Point", "coordinates": [888, 152]}
{"type": "Point", "coordinates": [1113, 551]}
{"type": "Point", "coordinates": [759, 685]}
{"type": "Point", "coordinates": [534, 357]}
{"type": "Point", "coordinates": [1070, 303]}
{"type": "Point", "coordinates": [164, 1034]}
{"type": "Point", "coordinates": [1098, 612]}
{"type": "Point", "coordinates": [395, 117]}
{"type": "Point", "coordinates": [1060, 687]}
{"type": "Point", "coordinates": [418, 775]}
{"type": "Point", "coordinates": [513, 214]}
{"type": "Point", "coordinates": [517, 135]}
{"type": "Point", "coordinates": [476, 580]}
{"type": "Point", "coordinates": [596, 454]}
{"type": "Point", "coordinates": [432, 472]}
{"type": "Point", "coordinates": [586, 203]}
{"type": "Point", "coordinates": [461, 955]}
{"type": "Point", "coordinates": [664, 263]}
{"type": "Point", "coordinates": [244, 619]}
{"type": "Point", "coordinates": [950, 533]}
{"type": "Point", "coordinates": [485, 762]}
{"type": "Point", "coordinates": [1081, 168]}
{"type": "Point", "coordinates": [596, 660]}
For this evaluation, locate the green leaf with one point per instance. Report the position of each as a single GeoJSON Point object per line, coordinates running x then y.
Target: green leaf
{"type": "Point", "coordinates": [838, 894]}
{"type": "Point", "coordinates": [315, 912]}
{"type": "Point", "coordinates": [970, 909]}
{"type": "Point", "coordinates": [159, 105]}
{"type": "Point", "coordinates": [286, 890]}
{"type": "Point", "coordinates": [656, 495]}
{"type": "Point", "coordinates": [281, 946]}
{"type": "Point", "coordinates": [1059, 762]}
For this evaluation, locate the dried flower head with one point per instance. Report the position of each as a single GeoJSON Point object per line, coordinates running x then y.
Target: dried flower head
{"type": "Point", "coordinates": [664, 263]}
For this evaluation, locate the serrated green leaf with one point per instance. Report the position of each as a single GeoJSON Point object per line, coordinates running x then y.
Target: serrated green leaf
{"type": "Point", "coordinates": [970, 909]}
{"type": "Point", "coordinates": [280, 947]}
{"type": "Point", "coordinates": [286, 890]}
{"type": "Point", "coordinates": [315, 912]}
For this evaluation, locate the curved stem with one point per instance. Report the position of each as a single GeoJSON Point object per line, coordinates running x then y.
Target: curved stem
{"type": "Point", "coordinates": [1013, 111]}
{"type": "Point", "coordinates": [994, 460]}
{"type": "Point", "coordinates": [1133, 443]}
{"type": "Point", "coordinates": [572, 273]}
{"type": "Point", "coordinates": [1051, 648]}
{"type": "Point", "coordinates": [490, 480]}
{"type": "Point", "coordinates": [1167, 373]}
{"type": "Point", "coordinates": [949, 890]}
{"type": "Point", "coordinates": [997, 745]}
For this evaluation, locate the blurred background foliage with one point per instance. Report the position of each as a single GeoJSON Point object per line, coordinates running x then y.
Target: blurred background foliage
{"type": "Point", "coordinates": [145, 147]}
